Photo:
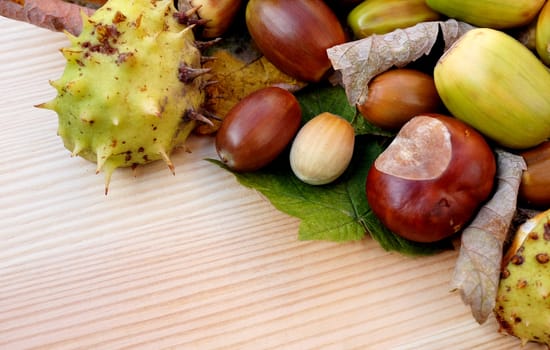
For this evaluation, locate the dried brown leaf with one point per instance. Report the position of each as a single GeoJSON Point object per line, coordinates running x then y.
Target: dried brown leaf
{"type": "Point", "coordinates": [95, 4]}
{"type": "Point", "coordinates": [237, 76]}
{"type": "Point", "coordinates": [477, 270]}
{"type": "Point", "coordinates": [56, 15]}
{"type": "Point", "coordinates": [361, 60]}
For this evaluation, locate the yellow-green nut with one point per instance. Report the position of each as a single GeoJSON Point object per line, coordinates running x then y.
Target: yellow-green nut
{"type": "Point", "coordinates": [489, 13]}
{"type": "Point", "coordinates": [383, 16]}
{"type": "Point", "coordinates": [491, 81]}
{"type": "Point", "coordinates": [542, 34]}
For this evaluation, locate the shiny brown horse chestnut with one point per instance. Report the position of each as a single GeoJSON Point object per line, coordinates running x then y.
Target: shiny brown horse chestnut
{"type": "Point", "coordinates": [258, 128]}
{"type": "Point", "coordinates": [295, 34]}
{"type": "Point", "coordinates": [432, 179]}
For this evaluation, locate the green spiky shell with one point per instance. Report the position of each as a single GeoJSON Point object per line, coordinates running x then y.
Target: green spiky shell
{"type": "Point", "coordinates": [523, 300]}
{"type": "Point", "coordinates": [119, 101]}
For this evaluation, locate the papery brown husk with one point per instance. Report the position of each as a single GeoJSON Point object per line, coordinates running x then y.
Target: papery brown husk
{"type": "Point", "coordinates": [477, 270]}
{"type": "Point", "coordinates": [55, 15]}
{"type": "Point", "coordinates": [361, 60]}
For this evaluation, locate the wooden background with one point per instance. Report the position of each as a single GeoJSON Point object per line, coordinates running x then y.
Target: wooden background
{"type": "Point", "coordinates": [191, 261]}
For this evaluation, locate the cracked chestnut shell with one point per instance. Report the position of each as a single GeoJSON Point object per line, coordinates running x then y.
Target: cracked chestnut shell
{"type": "Point", "coordinates": [432, 178]}
{"type": "Point", "coordinates": [258, 128]}
{"type": "Point", "coordinates": [294, 35]}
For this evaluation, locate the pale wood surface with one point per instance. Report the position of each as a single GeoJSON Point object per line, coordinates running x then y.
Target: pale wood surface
{"type": "Point", "coordinates": [191, 261]}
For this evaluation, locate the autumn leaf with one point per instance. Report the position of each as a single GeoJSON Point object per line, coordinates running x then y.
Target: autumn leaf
{"type": "Point", "coordinates": [361, 60]}
{"type": "Point", "coordinates": [55, 15]}
{"type": "Point", "coordinates": [238, 69]}
{"type": "Point", "coordinates": [235, 79]}
{"type": "Point", "coordinates": [94, 4]}
{"type": "Point", "coordinates": [477, 270]}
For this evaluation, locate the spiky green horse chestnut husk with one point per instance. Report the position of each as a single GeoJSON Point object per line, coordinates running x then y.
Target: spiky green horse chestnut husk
{"type": "Point", "coordinates": [523, 300]}
{"type": "Point", "coordinates": [131, 85]}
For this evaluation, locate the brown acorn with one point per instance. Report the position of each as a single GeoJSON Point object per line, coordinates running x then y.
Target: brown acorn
{"type": "Point", "coordinates": [534, 188]}
{"type": "Point", "coordinates": [294, 35]}
{"type": "Point", "coordinates": [258, 128]}
{"type": "Point", "coordinates": [397, 95]}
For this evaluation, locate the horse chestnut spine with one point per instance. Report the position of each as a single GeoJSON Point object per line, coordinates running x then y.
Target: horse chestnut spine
{"type": "Point", "coordinates": [295, 34]}
{"type": "Point", "coordinates": [258, 128]}
{"type": "Point", "coordinates": [432, 178]}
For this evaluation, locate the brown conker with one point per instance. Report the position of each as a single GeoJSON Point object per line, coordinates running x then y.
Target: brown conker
{"type": "Point", "coordinates": [431, 180]}
{"type": "Point", "coordinates": [294, 35]}
{"type": "Point", "coordinates": [258, 128]}
{"type": "Point", "coordinates": [397, 95]}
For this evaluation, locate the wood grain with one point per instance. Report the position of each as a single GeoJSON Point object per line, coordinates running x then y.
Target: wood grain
{"type": "Point", "coordinates": [191, 261]}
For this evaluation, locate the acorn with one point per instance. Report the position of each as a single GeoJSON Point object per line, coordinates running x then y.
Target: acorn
{"type": "Point", "coordinates": [258, 128]}
{"type": "Point", "coordinates": [397, 95]}
{"type": "Point", "coordinates": [489, 13]}
{"type": "Point", "coordinates": [216, 15]}
{"type": "Point", "coordinates": [294, 35]}
{"type": "Point", "coordinates": [322, 149]}
{"type": "Point", "coordinates": [383, 16]}
{"type": "Point", "coordinates": [491, 81]}
{"type": "Point", "coordinates": [534, 188]}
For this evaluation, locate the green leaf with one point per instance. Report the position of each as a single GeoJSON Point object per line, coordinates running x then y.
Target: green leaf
{"type": "Point", "coordinates": [334, 212]}
{"type": "Point", "coordinates": [338, 211]}
{"type": "Point", "coordinates": [315, 100]}
{"type": "Point", "coordinates": [392, 242]}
